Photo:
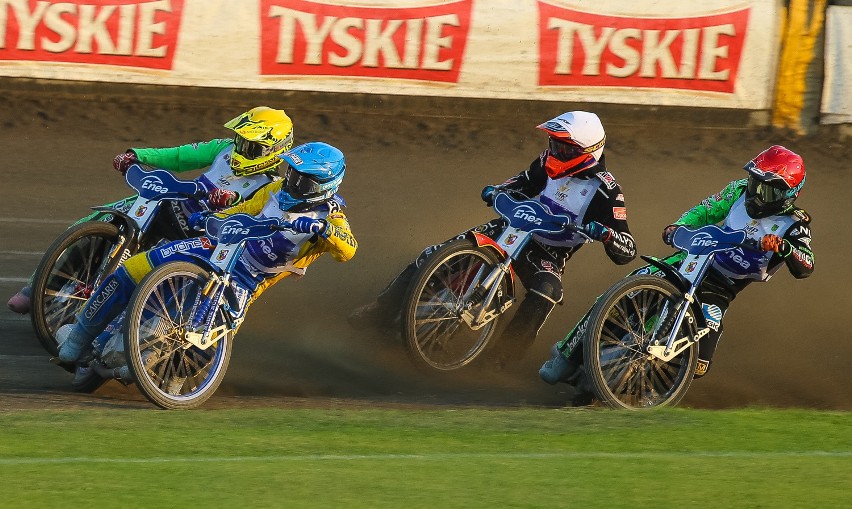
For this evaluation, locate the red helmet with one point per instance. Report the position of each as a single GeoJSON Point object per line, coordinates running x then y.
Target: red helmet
{"type": "Point", "coordinates": [775, 178]}
{"type": "Point", "coordinates": [576, 143]}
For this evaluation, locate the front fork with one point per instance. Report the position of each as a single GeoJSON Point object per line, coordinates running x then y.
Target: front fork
{"type": "Point", "coordinates": [670, 326]}
{"type": "Point", "coordinates": [481, 297]}
{"type": "Point", "coordinates": [198, 331]}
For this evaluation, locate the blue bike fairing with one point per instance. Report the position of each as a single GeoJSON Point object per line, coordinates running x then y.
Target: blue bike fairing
{"type": "Point", "coordinates": [706, 239]}
{"type": "Point", "coordinates": [157, 183]}
{"type": "Point", "coordinates": [529, 216]}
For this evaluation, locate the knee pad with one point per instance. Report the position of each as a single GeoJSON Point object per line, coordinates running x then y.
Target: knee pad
{"type": "Point", "coordinates": [546, 285]}
{"type": "Point", "coordinates": [137, 266]}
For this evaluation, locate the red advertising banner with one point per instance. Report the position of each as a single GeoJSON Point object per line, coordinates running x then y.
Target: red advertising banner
{"type": "Point", "coordinates": [131, 33]}
{"type": "Point", "coordinates": [300, 37]}
{"type": "Point", "coordinates": [693, 53]}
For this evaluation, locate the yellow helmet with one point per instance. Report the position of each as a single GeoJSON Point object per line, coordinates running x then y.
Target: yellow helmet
{"type": "Point", "coordinates": [261, 135]}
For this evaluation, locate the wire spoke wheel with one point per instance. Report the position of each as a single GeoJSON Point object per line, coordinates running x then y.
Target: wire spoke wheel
{"type": "Point", "coordinates": [69, 271]}
{"type": "Point", "coordinates": [169, 370]}
{"type": "Point", "coordinates": [621, 327]}
{"type": "Point", "coordinates": [436, 336]}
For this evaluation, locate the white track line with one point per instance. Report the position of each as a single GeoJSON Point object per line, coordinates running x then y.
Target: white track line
{"type": "Point", "coordinates": [14, 280]}
{"type": "Point", "coordinates": [435, 457]}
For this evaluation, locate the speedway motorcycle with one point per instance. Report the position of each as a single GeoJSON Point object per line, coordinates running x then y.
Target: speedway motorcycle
{"type": "Point", "coordinates": [640, 341]}
{"type": "Point", "coordinates": [457, 296]}
{"type": "Point", "coordinates": [79, 259]}
{"type": "Point", "coordinates": [174, 339]}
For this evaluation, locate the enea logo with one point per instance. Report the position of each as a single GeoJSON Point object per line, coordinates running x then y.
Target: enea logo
{"type": "Point", "coordinates": [233, 228]}
{"type": "Point", "coordinates": [300, 37]}
{"type": "Point", "coordinates": [154, 184]}
{"type": "Point", "coordinates": [694, 53]}
{"type": "Point", "coordinates": [131, 33]}
{"type": "Point", "coordinates": [704, 240]}
{"type": "Point", "coordinates": [526, 213]}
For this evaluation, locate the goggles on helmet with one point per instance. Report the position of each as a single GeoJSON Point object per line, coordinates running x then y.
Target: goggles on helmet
{"type": "Point", "coordinates": [564, 151]}
{"type": "Point", "coordinates": [254, 150]}
{"type": "Point", "coordinates": [765, 191]}
{"type": "Point", "coordinates": [300, 185]}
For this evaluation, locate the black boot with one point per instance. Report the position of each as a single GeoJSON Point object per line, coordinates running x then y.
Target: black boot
{"type": "Point", "coordinates": [522, 330]}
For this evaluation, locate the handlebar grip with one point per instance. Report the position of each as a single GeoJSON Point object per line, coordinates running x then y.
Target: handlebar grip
{"type": "Point", "coordinates": [281, 227]}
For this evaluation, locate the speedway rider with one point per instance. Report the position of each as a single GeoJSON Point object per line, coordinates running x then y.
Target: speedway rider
{"type": "Point", "coordinates": [569, 177]}
{"type": "Point", "coordinates": [306, 196]}
{"type": "Point", "coordinates": [762, 206]}
{"type": "Point", "coordinates": [239, 166]}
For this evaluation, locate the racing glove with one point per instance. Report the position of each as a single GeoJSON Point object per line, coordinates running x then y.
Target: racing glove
{"type": "Point", "coordinates": [774, 243]}
{"type": "Point", "coordinates": [488, 193]}
{"type": "Point", "coordinates": [123, 161]}
{"type": "Point", "coordinates": [222, 198]}
{"type": "Point", "coordinates": [196, 219]}
{"type": "Point", "coordinates": [668, 234]}
{"type": "Point", "coordinates": [308, 225]}
{"type": "Point", "coordinates": [597, 231]}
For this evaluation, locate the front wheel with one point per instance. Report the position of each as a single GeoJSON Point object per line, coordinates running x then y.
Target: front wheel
{"type": "Point", "coordinates": [621, 326]}
{"type": "Point", "coordinates": [168, 369]}
{"type": "Point", "coordinates": [435, 334]}
{"type": "Point", "coordinates": [68, 272]}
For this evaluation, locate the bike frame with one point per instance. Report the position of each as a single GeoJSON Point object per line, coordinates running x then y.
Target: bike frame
{"type": "Point", "coordinates": [152, 188]}
{"type": "Point", "coordinates": [232, 233]}
{"type": "Point", "coordinates": [701, 245]}
{"type": "Point", "coordinates": [524, 219]}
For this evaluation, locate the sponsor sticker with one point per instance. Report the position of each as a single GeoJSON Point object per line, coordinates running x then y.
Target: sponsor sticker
{"type": "Point", "coordinates": [619, 213]}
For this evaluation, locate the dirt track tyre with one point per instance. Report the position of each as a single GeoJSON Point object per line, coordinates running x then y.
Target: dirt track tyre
{"type": "Point", "coordinates": [167, 369]}
{"type": "Point", "coordinates": [436, 337]}
{"type": "Point", "coordinates": [621, 324]}
{"type": "Point", "coordinates": [66, 276]}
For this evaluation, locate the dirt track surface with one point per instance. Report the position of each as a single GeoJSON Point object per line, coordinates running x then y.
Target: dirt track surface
{"type": "Point", "coordinates": [415, 171]}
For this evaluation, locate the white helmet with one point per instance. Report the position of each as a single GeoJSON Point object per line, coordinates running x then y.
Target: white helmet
{"type": "Point", "coordinates": [576, 143]}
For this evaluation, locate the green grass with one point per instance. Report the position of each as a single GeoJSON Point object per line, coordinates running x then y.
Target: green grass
{"type": "Point", "coordinates": [436, 458]}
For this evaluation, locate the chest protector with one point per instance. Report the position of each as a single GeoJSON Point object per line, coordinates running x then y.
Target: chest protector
{"type": "Point", "coordinates": [569, 196]}
{"type": "Point", "coordinates": [741, 263]}
{"type": "Point", "coordinates": [272, 255]}
{"type": "Point", "coordinates": [220, 176]}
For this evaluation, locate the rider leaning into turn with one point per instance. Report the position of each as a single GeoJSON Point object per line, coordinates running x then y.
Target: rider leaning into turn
{"type": "Point", "coordinates": [569, 177]}
{"type": "Point", "coordinates": [762, 206]}
{"type": "Point", "coordinates": [306, 197]}
{"type": "Point", "coordinates": [238, 167]}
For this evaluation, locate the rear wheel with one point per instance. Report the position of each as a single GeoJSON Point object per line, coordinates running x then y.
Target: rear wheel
{"type": "Point", "coordinates": [436, 336]}
{"type": "Point", "coordinates": [169, 370]}
{"type": "Point", "coordinates": [69, 271]}
{"type": "Point", "coordinates": [621, 326]}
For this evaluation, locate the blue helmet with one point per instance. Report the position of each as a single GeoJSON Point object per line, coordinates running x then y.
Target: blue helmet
{"type": "Point", "coordinates": [313, 175]}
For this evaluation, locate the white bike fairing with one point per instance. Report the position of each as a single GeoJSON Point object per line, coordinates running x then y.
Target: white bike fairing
{"type": "Point", "coordinates": [743, 263]}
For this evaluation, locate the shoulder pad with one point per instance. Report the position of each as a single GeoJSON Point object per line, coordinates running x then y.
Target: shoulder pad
{"type": "Point", "coordinates": [800, 215]}
{"type": "Point", "coordinates": [607, 178]}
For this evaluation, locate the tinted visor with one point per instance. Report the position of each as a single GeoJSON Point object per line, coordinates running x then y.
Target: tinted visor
{"type": "Point", "coordinates": [253, 149]}
{"type": "Point", "coordinates": [564, 151]}
{"type": "Point", "coordinates": [300, 185]}
{"type": "Point", "coordinates": [766, 192]}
